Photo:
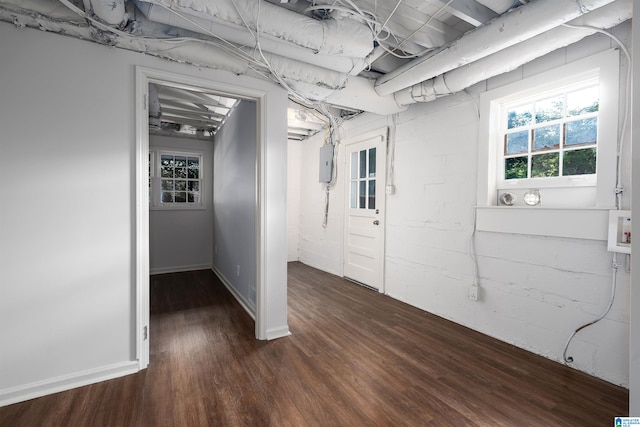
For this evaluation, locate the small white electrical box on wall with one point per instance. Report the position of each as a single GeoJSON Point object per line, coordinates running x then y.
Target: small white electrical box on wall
{"type": "Point", "coordinates": [619, 232]}
{"type": "Point", "coordinates": [326, 163]}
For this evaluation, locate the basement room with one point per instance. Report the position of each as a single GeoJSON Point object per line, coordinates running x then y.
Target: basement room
{"type": "Point", "coordinates": [319, 213]}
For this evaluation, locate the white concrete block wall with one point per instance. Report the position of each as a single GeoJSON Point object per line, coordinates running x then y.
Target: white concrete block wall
{"type": "Point", "coordinates": [534, 290]}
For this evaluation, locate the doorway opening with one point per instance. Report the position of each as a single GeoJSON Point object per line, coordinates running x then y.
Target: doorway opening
{"type": "Point", "coordinates": [255, 202]}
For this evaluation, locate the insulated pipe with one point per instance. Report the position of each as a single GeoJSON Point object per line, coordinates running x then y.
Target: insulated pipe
{"type": "Point", "coordinates": [513, 57]}
{"type": "Point", "coordinates": [344, 37]}
{"type": "Point", "coordinates": [241, 36]}
{"type": "Point", "coordinates": [507, 30]}
{"type": "Point", "coordinates": [110, 11]}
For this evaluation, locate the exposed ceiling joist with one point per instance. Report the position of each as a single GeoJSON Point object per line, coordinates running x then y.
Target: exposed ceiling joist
{"type": "Point", "coordinates": [470, 11]}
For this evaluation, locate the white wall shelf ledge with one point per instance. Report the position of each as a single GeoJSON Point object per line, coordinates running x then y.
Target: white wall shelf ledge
{"type": "Point", "coordinates": [576, 223]}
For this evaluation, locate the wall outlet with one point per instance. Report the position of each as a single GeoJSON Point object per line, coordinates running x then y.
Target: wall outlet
{"type": "Point", "coordinates": [238, 270]}
{"type": "Point", "coordinates": [473, 292]}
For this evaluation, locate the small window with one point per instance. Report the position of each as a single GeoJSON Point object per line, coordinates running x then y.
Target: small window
{"type": "Point", "coordinates": [555, 135]}
{"type": "Point", "coordinates": [176, 181]}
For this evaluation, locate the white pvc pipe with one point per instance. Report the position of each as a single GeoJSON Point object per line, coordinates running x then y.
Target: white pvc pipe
{"type": "Point", "coordinates": [238, 34]}
{"type": "Point", "coordinates": [510, 29]}
{"type": "Point", "coordinates": [343, 36]}
{"type": "Point", "coordinates": [513, 57]}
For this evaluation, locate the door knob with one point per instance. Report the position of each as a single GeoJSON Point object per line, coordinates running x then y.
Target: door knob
{"type": "Point", "coordinates": [376, 222]}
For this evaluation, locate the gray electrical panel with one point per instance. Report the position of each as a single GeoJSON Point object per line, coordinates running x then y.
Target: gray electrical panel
{"type": "Point", "coordinates": [326, 163]}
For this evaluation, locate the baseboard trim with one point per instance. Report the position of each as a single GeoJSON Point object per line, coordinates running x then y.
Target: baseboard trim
{"type": "Point", "coordinates": [66, 382]}
{"type": "Point", "coordinates": [273, 334]}
{"type": "Point", "coordinates": [227, 284]}
{"type": "Point", "coordinates": [179, 269]}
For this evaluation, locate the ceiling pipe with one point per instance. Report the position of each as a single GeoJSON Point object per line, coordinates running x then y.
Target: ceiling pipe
{"type": "Point", "coordinates": [507, 30]}
{"type": "Point", "coordinates": [111, 12]}
{"type": "Point", "coordinates": [499, 6]}
{"type": "Point", "coordinates": [338, 44]}
{"type": "Point", "coordinates": [515, 56]}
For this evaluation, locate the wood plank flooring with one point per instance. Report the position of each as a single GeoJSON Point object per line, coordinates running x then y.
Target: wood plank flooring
{"type": "Point", "coordinates": [355, 358]}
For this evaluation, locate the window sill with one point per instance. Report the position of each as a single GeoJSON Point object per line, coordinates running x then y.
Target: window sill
{"type": "Point", "coordinates": [576, 223]}
{"type": "Point", "coordinates": [178, 208]}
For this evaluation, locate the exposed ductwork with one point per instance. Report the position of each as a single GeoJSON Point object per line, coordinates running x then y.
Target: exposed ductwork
{"type": "Point", "coordinates": [111, 12]}
{"type": "Point", "coordinates": [508, 30]}
{"type": "Point", "coordinates": [499, 6]}
{"type": "Point", "coordinates": [317, 83]}
{"type": "Point", "coordinates": [511, 58]}
{"type": "Point", "coordinates": [341, 45]}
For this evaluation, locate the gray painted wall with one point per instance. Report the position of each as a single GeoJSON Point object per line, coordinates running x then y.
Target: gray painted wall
{"type": "Point", "coordinates": [67, 219]}
{"type": "Point", "coordinates": [181, 240]}
{"type": "Point", "coordinates": [234, 202]}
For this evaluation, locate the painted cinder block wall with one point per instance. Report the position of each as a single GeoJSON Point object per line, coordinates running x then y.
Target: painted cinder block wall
{"type": "Point", "coordinates": [534, 290]}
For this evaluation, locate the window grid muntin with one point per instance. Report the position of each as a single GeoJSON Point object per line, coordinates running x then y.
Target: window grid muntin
{"type": "Point", "coordinates": [532, 124]}
{"type": "Point", "coordinates": [363, 173]}
{"type": "Point", "coordinates": [182, 188]}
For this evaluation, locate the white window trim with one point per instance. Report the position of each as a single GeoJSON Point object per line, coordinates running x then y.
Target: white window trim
{"type": "Point", "coordinates": [155, 203]}
{"type": "Point", "coordinates": [491, 217]}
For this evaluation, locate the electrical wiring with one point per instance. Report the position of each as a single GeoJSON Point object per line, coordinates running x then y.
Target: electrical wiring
{"type": "Point", "coordinates": [618, 189]}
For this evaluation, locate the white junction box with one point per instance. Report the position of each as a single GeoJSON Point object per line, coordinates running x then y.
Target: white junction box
{"type": "Point", "coordinates": [326, 163]}
{"type": "Point", "coordinates": [619, 239]}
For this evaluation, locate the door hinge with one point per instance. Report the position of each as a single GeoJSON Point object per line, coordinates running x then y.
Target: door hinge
{"type": "Point", "coordinates": [145, 333]}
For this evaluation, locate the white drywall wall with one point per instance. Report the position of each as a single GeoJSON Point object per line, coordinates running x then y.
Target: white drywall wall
{"type": "Point", "coordinates": [181, 239]}
{"type": "Point", "coordinates": [234, 201]}
{"type": "Point", "coordinates": [534, 290]}
{"type": "Point", "coordinates": [293, 197]}
{"type": "Point", "coordinates": [67, 265]}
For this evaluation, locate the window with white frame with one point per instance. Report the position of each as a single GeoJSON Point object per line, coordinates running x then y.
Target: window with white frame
{"type": "Point", "coordinates": [555, 132]}
{"type": "Point", "coordinates": [175, 179]}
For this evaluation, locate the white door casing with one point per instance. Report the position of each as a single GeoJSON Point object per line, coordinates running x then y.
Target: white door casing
{"type": "Point", "coordinates": [364, 231]}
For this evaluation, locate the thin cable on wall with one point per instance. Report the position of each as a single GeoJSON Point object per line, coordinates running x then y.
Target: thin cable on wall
{"type": "Point", "coordinates": [618, 190]}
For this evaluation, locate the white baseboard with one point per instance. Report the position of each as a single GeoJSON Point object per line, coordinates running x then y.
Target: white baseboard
{"type": "Point", "coordinates": [9, 396]}
{"type": "Point", "coordinates": [243, 302]}
{"type": "Point", "coordinates": [273, 334]}
{"type": "Point", "coordinates": [179, 269]}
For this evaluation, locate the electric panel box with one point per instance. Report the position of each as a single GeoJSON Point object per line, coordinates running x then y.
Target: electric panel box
{"type": "Point", "coordinates": [326, 163]}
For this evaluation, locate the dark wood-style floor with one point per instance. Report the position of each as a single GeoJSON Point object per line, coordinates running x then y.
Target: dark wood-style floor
{"type": "Point", "coordinates": [356, 358]}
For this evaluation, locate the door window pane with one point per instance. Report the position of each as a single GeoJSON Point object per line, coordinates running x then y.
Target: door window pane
{"type": "Point", "coordinates": [372, 194]}
{"type": "Point", "coordinates": [354, 165]}
{"type": "Point", "coordinates": [363, 164]}
{"type": "Point", "coordinates": [354, 194]}
{"type": "Point", "coordinates": [363, 195]}
{"type": "Point", "coordinates": [372, 162]}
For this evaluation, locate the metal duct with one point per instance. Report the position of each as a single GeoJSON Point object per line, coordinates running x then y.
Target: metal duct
{"type": "Point", "coordinates": [513, 57]}
{"type": "Point", "coordinates": [510, 29]}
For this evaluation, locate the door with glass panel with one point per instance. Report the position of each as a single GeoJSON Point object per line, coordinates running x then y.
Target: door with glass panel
{"type": "Point", "coordinates": [365, 204]}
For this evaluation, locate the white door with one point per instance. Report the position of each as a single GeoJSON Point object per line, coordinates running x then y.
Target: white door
{"type": "Point", "coordinates": [365, 204]}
